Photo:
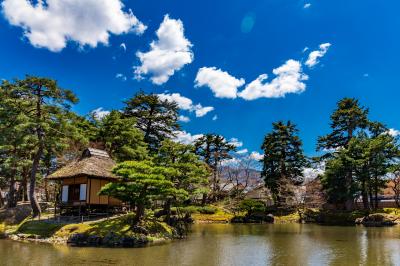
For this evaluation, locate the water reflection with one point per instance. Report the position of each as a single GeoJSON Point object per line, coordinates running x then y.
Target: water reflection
{"type": "Point", "coordinates": [291, 244]}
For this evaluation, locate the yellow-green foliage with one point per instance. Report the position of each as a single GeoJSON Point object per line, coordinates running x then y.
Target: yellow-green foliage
{"type": "Point", "coordinates": [41, 228]}
{"type": "Point", "coordinates": [392, 211]}
{"type": "Point", "coordinates": [2, 228]}
{"type": "Point", "coordinates": [220, 216]}
{"type": "Point", "coordinates": [119, 225]}
{"type": "Point", "coordinates": [290, 218]}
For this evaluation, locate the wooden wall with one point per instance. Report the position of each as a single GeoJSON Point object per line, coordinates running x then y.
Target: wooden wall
{"type": "Point", "coordinates": [93, 187]}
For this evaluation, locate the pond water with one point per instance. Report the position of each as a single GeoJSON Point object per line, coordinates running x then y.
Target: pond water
{"type": "Point", "coordinates": [224, 244]}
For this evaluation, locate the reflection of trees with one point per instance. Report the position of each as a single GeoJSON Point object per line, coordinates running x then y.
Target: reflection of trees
{"type": "Point", "coordinates": [221, 244]}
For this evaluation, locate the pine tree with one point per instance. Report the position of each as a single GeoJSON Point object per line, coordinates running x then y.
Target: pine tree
{"type": "Point", "coordinates": [348, 119]}
{"type": "Point", "coordinates": [141, 183]}
{"type": "Point", "coordinates": [121, 138]}
{"type": "Point", "coordinates": [158, 119]}
{"type": "Point", "coordinates": [191, 173]}
{"type": "Point", "coordinates": [47, 110]}
{"type": "Point", "coordinates": [283, 161]}
{"type": "Point", "coordinates": [213, 149]}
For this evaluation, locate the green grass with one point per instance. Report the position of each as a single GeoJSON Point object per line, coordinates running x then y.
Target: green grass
{"type": "Point", "coordinates": [119, 225]}
{"type": "Point", "coordinates": [40, 228]}
{"type": "Point", "coordinates": [219, 216]}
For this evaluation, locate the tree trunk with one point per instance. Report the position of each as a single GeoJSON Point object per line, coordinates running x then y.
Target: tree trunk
{"type": "Point", "coordinates": [365, 196]}
{"type": "Point", "coordinates": [204, 199]}
{"type": "Point", "coordinates": [376, 192]}
{"type": "Point", "coordinates": [25, 187]}
{"type": "Point", "coordinates": [139, 213]}
{"type": "Point", "coordinates": [1, 199]}
{"type": "Point", "coordinates": [32, 182]}
{"type": "Point", "coordinates": [349, 203]}
{"type": "Point", "coordinates": [11, 199]}
{"type": "Point", "coordinates": [167, 209]}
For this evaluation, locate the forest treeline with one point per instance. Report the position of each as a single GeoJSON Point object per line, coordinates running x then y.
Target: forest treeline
{"type": "Point", "coordinates": [39, 133]}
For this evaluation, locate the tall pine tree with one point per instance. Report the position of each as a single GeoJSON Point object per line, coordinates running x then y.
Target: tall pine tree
{"type": "Point", "coordinates": [283, 161]}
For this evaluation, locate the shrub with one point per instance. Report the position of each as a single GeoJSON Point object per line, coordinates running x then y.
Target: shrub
{"type": "Point", "coordinates": [207, 210]}
{"type": "Point", "coordinates": [252, 206]}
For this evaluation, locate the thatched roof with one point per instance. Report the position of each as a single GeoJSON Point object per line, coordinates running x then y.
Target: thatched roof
{"type": "Point", "coordinates": [93, 163]}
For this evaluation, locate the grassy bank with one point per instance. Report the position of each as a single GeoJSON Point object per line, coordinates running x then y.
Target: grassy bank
{"type": "Point", "coordinates": [208, 214]}
{"type": "Point", "coordinates": [114, 231]}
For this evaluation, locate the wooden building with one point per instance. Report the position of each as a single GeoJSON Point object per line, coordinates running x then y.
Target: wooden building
{"type": "Point", "coordinates": [81, 181]}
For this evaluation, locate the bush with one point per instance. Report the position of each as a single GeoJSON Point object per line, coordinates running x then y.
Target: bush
{"type": "Point", "coordinates": [252, 206]}
{"type": "Point", "coordinates": [199, 209]}
{"type": "Point", "coordinates": [207, 210]}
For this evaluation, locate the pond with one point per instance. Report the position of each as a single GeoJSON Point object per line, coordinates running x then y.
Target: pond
{"type": "Point", "coordinates": [225, 244]}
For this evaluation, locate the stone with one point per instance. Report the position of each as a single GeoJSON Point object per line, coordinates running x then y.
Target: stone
{"type": "Point", "coordinates": [94, 240]}
{"type": "Point", "coordinates": [78, 239]}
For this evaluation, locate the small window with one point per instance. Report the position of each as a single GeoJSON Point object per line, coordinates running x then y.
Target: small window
{"type": "Point", "coordinates": [82, 192]}
{"type": "Point", "coordinates": [64, 195]}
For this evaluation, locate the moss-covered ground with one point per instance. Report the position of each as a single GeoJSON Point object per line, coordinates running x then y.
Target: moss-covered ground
{"type": "Point", "coordinates": [119, 225]}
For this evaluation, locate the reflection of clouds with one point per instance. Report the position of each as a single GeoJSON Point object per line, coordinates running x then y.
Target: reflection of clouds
{"type": "Point", "coordinates": [248, 22]}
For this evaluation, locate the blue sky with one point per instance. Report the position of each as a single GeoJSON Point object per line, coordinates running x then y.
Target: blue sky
{"type": "Point", "coordinates": [242, 38]}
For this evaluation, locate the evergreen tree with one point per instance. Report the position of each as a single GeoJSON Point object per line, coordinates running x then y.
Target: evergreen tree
{"type": "Point", "coordinates": [191, 173]}
{"type": "Point", "coordinates": [283, 161]}
{"type": "Point", "coordinates": [214, 149]}
{"type": "Point", "coordinates": [16, 141]}
{"type": "Point", "coordinates": [121, 138]}
{"type": "Point", "coordinates": [141, 183]}
{"type": "Point", "coordinates": [47, 111]}
{"type": "Point", "coordinates": [346, 121]}
{"type": "Point", "coordinates": [158, 119]}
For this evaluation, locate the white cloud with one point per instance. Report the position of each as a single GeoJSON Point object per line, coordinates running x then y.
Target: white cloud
{"type": "Point", "coordinates": [100, 113]}
{"type": "Point", "coordinates": [305, 49]}
{"type": "Point", "coordinates": [215, 117]}
{"type": "Point", "coordinates": [256, 156]}
{"type": "Point", "coordinates": [221, 83]}
{"type": "Point", "coordinates": [169, 53]}
{"type": "Point", "coordinates": [185, 137]}
{"type": "Point", "coordinates": [313, 57]}
{"type": "Point", "coordinates": [307, 5]}
{"type": "Point", "coordinates": [120, 76]}
{"type": "Point", "coordinates": [185, 103]}
{"type": "Point", "coordinates": [51, 24]}
{"type": "Point", "coordinates": [201, 111]}
{"type": "Point", "coordinates": [184, 119]}
{"type": "Point", "coordinates": [235, 142]}
{"type": "Point", "coordinates": [393, 132]}
{"type": "Point", "coordinates": [242, 151]}
{"type": "Point", "coordinates": [289, 79]}
{"type": "Point", "coordinates": [123, 46]}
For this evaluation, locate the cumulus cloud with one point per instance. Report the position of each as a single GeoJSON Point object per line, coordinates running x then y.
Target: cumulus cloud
{"type": "Point", "coordinates": [235, 142]}
{"type": "Point", "coordinates": [186, 137]}
{"type": "Point", "coordinates": [289, 79]}
{"type": "Point", "coordinates": [256, 156]}
{"type": "Point", "coordinates": [100, 113]}
{"type": "Point", "coordinates": [313, 57]}
{"type": "Point", "coordinates": [307, 5]}
{"type": "Point", "coordinates": [184, 119]}
{"type": "Point", "coordinates": [51, 24]}
{"type": "Point", "coordinates": [185, 103]}
{"type": "Point", "coordinates": [221, 83]}
{"type": "Point", "coordinates": [393, 132]}
{"type": "Point", "coordinates": [169, 53]}
{"type": "Point", "coordinates": [242, 151]}
{"type": "Point", "coordinates": [215, 117]}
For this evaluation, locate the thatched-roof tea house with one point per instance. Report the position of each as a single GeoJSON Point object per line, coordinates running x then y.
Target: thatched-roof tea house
{"type": "Point", "coordinates": [82, 180]}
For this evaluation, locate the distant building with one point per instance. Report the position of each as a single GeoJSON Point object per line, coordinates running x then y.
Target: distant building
{"type": "Point", "coordinates": [259, 192]}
